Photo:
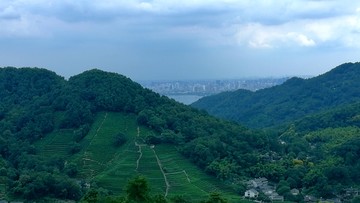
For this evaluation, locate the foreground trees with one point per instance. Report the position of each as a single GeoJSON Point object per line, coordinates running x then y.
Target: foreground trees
{"type": "Point", "coordinates": [138, 191]}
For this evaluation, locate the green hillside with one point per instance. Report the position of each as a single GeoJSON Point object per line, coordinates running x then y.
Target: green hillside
{"type": "Point", "coordinates": [58, 136]}
{"type": "Point", "coordinates": [340, 116]}
{"type": "Point", "coordinates": [110, 167]}
{"type": "Point", "coordinates": [292, 100]}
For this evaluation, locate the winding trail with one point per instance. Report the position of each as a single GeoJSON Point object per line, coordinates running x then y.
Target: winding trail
{"type": "Point", "coordinates": [138, 145]}
{"type": "Point", "coordinates": [140, 155]}
{"type": "Point", "coordinates": [162, 171]}
{"type": "Point", "coordinates": [97, 130]}
{"type": "Point", "coordinates": [86, 156]}
{"type": "Point", "coordinates": [158, 162]}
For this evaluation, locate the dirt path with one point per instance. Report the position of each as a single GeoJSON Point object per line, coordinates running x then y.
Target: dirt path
{"type": "Point", "coordinates": [157, 159]}
{"type": "Point", "coordinates": [90, 160]}
{"type": "Point", "coordinates": [140, 155]}
{"type": "Point", "coordinates": [162, 171]}
{"type": "Point", "coordinates": [86, 156]}
{"type": "Point", "coordinates": [187, 177]}
{"type": "Point", "coordinates": [140, 152]}
{"type": "Point", "coordinates": [121, 153]}
{"type": "Point", "coordinates": [97, 131]}
{"type": "Point", "coordinates": [183, 171]}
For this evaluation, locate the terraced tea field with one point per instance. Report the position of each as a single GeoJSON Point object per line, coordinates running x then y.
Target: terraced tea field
{"type": "Point", "coordinates": [58, 143]}
{"type": "Point", "coordinates": [100, 161]}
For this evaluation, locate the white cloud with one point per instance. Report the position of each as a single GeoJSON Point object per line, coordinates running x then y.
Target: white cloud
{"type": "Point", "coordinates": [259, 36]}
{"type": "Point", "coordinates": [342, 30]}
{"type": "Point", "coordinates": [255, 36]}
{"type": "Point", "coordinates": [301, 39]}
{"type": "Point", "coordinates": [259, 24]}
{"type": "Point", "coordinates": [145, 6]}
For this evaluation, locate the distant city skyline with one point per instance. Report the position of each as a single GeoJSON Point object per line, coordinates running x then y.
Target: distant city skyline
{"type": "Point", "coordinates": [188, 91]}
{"type": "Point", "coordinates": [209, 87]}
{"type": "Point", "coordinates": [179, 40]}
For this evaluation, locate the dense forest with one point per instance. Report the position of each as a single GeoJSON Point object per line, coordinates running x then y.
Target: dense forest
{"type": "Point", "coordinates": [317, 153]}
{"type": "Point", "coordinates": [35, 102]}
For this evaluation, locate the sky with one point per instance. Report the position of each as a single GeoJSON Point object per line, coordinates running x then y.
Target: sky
{"type": "Point", "coordinates": [181, 39]}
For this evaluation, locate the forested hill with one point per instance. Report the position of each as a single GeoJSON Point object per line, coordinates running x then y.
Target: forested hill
{"type": "Point", "coordinates": [37, 106]}
{"type": "Point", "coordinates": [292, 100]}
{"type": "Point", "coordinates": [83, 138]}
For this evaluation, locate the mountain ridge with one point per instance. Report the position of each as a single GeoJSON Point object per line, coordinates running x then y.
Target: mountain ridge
{"type": "Point", "coordinates": [291, 100]}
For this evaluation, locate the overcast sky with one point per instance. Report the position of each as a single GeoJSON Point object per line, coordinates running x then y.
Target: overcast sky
{"type": "Point", "coordinates": [180, 39]}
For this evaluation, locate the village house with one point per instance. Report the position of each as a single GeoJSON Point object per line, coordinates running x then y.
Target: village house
{"type": "Point", "coordinates": [352, 192]}
{"type": "Point", "coordinates": [262, 184]}
{"type": "Point", "coordinates": [252, 193]}
{"type": "Point", "coordinates": [294, 191]}
{"type": "Point", "coordinates": [257, 183]}
{"type": "Point", "coordinates": [309, 198]}
{"type": "Point", "coordinates": [276, 197]}
{"type": "Point", "coordinates": [269, 191]}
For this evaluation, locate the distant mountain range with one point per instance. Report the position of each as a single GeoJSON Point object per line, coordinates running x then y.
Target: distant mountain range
{"type": "Point", "coordinates": [289, 101]}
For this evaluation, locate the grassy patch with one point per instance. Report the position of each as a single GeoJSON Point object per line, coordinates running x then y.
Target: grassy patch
{"type": "Point", "coordinates": [98, 149]}
{"type": "Point", "coordinates": [56, 143]}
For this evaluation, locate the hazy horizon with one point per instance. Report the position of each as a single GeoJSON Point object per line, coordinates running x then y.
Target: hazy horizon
{"type": "Point", "coordinates": [187, 40]}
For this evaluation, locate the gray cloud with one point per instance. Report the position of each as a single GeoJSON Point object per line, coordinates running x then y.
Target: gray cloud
{"type": "Point", "coordinates": [157, 38]}
{"type": "Point", "coordinates": [206, 13]}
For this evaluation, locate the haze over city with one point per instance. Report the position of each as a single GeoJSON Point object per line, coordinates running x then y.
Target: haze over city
{"type": "Point", "coordinates": [168, 39]}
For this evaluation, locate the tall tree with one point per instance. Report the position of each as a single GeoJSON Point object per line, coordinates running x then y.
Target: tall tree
{"type": "Point", "coordinates": [138, 190]}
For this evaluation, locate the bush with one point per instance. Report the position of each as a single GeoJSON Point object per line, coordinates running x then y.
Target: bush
{"type": "Point", "coordinates": [71, 170]}
{"type": "Point", "coordinates": [75, 148]}
{"type": "Point", "coordinates": [120, 139]}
